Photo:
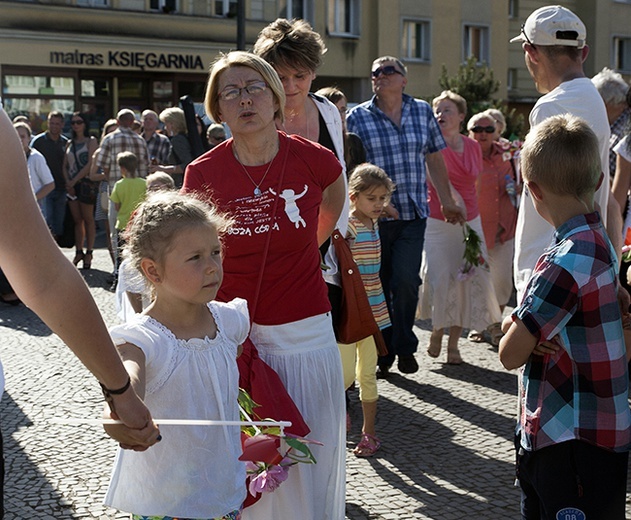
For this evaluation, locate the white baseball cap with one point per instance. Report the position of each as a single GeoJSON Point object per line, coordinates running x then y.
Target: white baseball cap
{"type": "Point", "coordinates": [553, 25]}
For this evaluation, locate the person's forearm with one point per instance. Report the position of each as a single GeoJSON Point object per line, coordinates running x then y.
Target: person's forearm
{"type": "Point", "coordinates": [330, 209]}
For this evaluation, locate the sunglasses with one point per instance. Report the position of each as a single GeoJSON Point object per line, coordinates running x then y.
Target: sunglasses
{"type": "Point", "coordinates": [480, 129]}
{"type": "Point", "coordinates": [388, 70]}
{"type": "Point", "coordinates": [526, 36]}
{"type": "Point", "coordinates": [76, 122]}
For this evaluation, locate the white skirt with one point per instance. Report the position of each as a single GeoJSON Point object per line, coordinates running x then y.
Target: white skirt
{"type": "Point", "coordinates": [306, 357]}
{"type": "Point", "coordinates": [444, 299]}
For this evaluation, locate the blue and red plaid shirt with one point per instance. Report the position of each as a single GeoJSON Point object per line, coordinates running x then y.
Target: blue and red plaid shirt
{"type": "Point", "coordinates": [400, 150]}
{"type": "Point", "coordinates": [581, 391]}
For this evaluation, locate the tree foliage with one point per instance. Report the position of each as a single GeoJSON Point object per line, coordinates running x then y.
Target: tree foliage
{"type": "Point", "coordinates": [476, 83]}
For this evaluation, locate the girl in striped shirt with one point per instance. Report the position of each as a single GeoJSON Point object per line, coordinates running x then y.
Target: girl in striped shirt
{"type": "Point", "coordinates": [369, 190]}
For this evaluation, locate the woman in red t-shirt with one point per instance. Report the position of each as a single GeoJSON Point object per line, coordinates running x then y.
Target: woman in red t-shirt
{"type": "Point", "coordinates": [285, 194]}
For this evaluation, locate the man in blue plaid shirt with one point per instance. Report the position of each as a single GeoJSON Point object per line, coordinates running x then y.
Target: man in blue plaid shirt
{"type": "Point", "coordinates": [401, 136]}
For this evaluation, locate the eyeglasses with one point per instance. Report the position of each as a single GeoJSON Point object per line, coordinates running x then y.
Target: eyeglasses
{"type": "Point", "coordinates": [526, 36]}
{"type": "Point", "coordinates": [76, 122]}
{"type": "Point", "coordinates": [253, 89]}
{"type": "Point", "coordinates": [480, 129]}
{"type": "Point", "coordinates": [388, 70]}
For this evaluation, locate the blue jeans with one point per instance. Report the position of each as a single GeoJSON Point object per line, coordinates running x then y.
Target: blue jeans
{"type": "Point", "coordinates": [56, 211]}
{"type": "Point", "coordinates": [401, 253]}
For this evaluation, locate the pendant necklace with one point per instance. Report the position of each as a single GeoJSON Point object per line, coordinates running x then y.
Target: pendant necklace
{"type": "Point", "coordinates": [257, 187]}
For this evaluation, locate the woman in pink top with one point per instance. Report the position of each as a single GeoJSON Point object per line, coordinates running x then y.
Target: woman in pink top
{"type": "Point", "coordinates": [450, 298]}
{"type": "Point", "coordinates": [497, 194]}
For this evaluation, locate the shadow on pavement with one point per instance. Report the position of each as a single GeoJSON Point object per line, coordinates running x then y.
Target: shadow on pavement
{"type": "Point", "coordinates": [505, 382]}
{"type": "Point", "coordinates": [23, 319]}
{"type": "Point", "coordinates": [432, 464]}
{"type": "Point", "coordinates": [465, 409]}
{"type": "Point", "coordinates": [25, 487]}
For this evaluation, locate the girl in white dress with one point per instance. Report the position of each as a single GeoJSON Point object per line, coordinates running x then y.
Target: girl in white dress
{"type": "Point", "coordinates": [181, 355]}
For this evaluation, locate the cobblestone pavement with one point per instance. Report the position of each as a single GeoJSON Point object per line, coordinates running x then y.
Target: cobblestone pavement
{"type": "Point", "coordinates": [446, 431]}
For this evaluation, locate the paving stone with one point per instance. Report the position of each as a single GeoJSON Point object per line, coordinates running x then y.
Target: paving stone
{"type": "Point", "coordinates": [447, 431]}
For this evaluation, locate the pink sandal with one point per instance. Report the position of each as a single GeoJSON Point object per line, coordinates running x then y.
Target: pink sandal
{"type": "Point", "coordinates": [368, 446]}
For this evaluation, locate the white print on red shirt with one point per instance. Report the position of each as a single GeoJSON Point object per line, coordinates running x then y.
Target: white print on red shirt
{"type": "Point", "coordinates": [291, 208]}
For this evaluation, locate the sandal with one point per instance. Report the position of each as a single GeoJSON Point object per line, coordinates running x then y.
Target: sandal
{"type": "Point", "coordinates": [78, 257]}
{"type": "Point", "coordinates": [476, 336]}
{"type": "Point", "coordinates": [453, 357]}
{"type": "Point", "coordinates": [495, 331]}
{"type": "Point", "coordinates": [368, 446]}
{"type": "Point", "coordinates": [87, 259]}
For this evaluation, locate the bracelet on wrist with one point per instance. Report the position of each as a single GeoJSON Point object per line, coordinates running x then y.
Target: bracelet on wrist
{"type": "Point", "coordinates": [109, 393]}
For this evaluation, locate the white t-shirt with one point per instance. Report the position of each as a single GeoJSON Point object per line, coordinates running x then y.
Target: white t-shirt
{"type": "Point", "coordinates": [580, 98]}
{"type": "Point", "coordinates": [38, 171]}
{"type": "Point", "coordinates": [194, 472]}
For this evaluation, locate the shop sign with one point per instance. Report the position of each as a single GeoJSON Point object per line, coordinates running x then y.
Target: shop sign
{"type": "Point", "coordinates": [133, 59]}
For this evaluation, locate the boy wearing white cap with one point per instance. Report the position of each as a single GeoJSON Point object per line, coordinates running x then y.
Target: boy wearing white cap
{"type": "Point", "coordinates": [554, 43]}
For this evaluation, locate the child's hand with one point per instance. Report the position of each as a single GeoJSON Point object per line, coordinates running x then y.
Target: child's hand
{"type": "Point", "coordinates": [547, 347]}
{"type": "Point", "coordinates": [390, 212]}
{"type": "Point", "coordinates": [131, 438]}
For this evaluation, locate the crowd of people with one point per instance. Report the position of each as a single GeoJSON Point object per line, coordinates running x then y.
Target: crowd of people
{"type": "Point", "coordinates": [444, 223]}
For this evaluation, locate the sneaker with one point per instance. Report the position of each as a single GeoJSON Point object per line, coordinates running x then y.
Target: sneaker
{"type": "Point", "coordinates": [407, 364]}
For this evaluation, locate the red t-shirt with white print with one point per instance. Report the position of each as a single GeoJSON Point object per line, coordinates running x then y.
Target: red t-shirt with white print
{"type": "Point", "coordinates": [292, 288]}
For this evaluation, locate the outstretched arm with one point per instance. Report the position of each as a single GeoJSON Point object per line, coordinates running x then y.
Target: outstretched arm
{"type": "Point", "coordinates": [49, 284]}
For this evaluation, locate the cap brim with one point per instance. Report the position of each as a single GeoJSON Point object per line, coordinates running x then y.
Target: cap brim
{"type": "Point", "coordinates": [518, 38]}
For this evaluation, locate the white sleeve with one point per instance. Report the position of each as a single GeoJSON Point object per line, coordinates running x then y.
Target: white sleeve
{"type": "Point", "coordinates": [235, 319]}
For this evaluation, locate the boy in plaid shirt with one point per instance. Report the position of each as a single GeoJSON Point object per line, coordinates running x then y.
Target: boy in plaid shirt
{"type": "Point", "coordinates": [567, 333]}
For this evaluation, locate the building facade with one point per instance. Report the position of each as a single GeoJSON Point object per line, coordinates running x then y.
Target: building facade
{"type": "Point", "coordinates": [98, 56]}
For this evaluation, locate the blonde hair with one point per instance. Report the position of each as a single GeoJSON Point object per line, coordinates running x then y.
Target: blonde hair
{"type": "Point", "coordinates": [456, 99]}
{"type": "Point", "coordinates": [290, 43]}
{"type": "Point", "coordinates": [251, 61]}
{"type": "Point", "coordinates": [24, 127]}
{"type": "Point", "coordinates": [175, 116]}
{"type": "Point", "coordinates": [366, 177]}
{"type": "Point", "coordinates": [561, 154]}
{"type": "Point", "coordinates": [129, 161]}
{"type": "Point", "coordinates": [159, 219]}
{"type": "Point", "coordinates": [162, 178]}
{"type": "Point", "coordinates": [497, 114]}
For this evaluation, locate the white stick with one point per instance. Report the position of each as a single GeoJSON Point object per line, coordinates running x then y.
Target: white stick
{"type": "Point", "coordinates": [179, 422]}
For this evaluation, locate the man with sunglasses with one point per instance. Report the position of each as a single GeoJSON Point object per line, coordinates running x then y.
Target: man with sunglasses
{"type": "Point", "coordinates": [401, 136]}
{"type": "Point", "coordinates": [553, 40]}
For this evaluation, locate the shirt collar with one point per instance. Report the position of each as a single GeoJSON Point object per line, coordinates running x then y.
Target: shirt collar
{"type": "Point", "coordinates": [577, 224]}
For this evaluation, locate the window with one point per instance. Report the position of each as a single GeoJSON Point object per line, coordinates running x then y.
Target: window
{"type": "Point", "coordinates": [511, 79]}
{"type": "Point", "coordinates": [513, 8]}
{"type": "Point", "coordinates": [344, 17]}
{"type": "Point", "coordinates": [226, 8]}
{"type": "Point", "coordinates": [476, 42]}
{"type": "Point", "coordinates": [416, 40]}
{"type": "Point", "coordinates": [622, 54]}
{"type": "Point", "coordinates": [167, 6]}
{"type": "Point", "coordinates": [93, 3]}
{"type": "Point", "coordinates": [294, 9]}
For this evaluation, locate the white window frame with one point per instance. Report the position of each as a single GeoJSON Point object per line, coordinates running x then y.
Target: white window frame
{"type": "Point", "coordinates": [338, 18]}
{"type": "Point", "coordinates": [617, 60]}
{"type": "Point", "coordinates": [484, 54]}
{"type": "Point", "coordinates": [511, 79]}
{"type": "Point", "coordinates": [408, 49]}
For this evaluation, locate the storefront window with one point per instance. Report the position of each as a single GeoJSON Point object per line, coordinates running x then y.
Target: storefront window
{"type": "Point", "coordinates": [37, 85]}
{"type": "Point", "coordinates": [37, 109]}
{"type": "Point", "coordinates": [95, 88]}
{"type": "Point", "coordinates": [162, 89]}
